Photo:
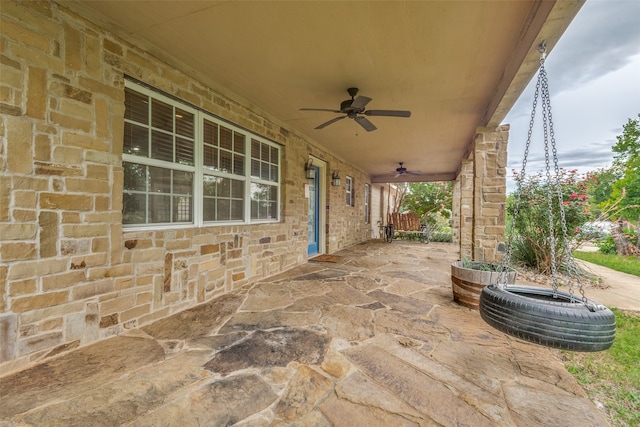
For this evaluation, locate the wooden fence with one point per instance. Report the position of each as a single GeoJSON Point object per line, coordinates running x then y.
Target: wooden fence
{"type": "Point", "coordinates": [405, 221]}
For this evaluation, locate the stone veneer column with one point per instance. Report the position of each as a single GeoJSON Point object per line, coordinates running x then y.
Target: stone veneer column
{"type": "Point", "coordinates": [455, 211]}
{"type": "Point", "coordinates": [465, 178]}
{"type": "Point", "coordinates": [489, 194]}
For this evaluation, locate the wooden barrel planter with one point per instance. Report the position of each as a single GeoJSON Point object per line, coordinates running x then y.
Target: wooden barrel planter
{"type": "Point", "coordinates": [467, 282]}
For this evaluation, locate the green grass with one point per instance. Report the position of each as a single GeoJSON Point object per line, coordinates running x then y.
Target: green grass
{"type": "Point", "coordinates": [625, 264]}
{"type": "Point", "coordinates": [612, 377]}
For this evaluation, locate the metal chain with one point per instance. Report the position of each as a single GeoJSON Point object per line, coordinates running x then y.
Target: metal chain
{"type": "Point", "coordinates": [553, 184]}
{"type": "Point", "coordinates": [567, 259]}
{"type": "Point", "coordinates": [506, 259]}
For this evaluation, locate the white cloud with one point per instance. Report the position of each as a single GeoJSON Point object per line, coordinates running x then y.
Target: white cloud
{"type": "Point", "coordinates": [593, 75]}
{"type": "Point", "coordinates": [603, 38]}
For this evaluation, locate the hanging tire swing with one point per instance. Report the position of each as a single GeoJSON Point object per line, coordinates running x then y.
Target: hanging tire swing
{"type": "Point", "coordinates": [544, 316]}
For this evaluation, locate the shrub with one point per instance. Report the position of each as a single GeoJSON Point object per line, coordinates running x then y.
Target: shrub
{"type": "Point", "coordinates": [531, 242]}
{"type": "Point", "coordinates": [441, 235]}
{"type": "Point", "coordinates": [606, 245]}
{"type": "Point", "coordinates": [522, 252]}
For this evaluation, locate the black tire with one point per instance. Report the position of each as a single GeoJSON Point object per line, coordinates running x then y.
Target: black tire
{"type": "Point", "coordinates": [541, 316]}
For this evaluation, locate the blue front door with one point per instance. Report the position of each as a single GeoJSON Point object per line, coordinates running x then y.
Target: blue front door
{"type": "Point", "coordinates": [314, 212]}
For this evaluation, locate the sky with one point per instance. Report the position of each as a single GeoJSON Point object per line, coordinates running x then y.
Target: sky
{"type": "Point", "coordinates": [593, 74]}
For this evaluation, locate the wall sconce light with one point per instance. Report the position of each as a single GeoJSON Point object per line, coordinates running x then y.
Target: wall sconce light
{"type": "Point", "coordinates": [335, 179]}
{"type": "Point", "coordinates": [309, 170]}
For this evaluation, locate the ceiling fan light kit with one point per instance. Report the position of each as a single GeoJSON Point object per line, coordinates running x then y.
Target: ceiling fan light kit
{"type": "Point", "coordinates": [354, 108]}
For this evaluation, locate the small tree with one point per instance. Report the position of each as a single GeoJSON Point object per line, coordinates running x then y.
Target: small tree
{"type": "Point", "coordinates": [600, 187]}
{"type": "Point", "coordinates": [401, 191]}
{"type": "Point", "coordinates": [617, 189]}
{"type": "Point", "coordinates": [627, 159]}
{"type": "Point", "coordinates": [428, 199]}
{"type": "Point", "coordinates": [531, 241]}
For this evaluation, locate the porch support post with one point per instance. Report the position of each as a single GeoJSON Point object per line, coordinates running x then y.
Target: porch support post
{"type": "Point", "coordinates": [489, 193]}
{"type": "Point", "coordinates": [463, 214]}
{"type": "Point", "coordinates": [455, 212]}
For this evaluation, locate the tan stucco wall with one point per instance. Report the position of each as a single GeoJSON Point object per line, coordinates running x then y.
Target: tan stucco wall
{"type": "Point", "coordinates": [382, 195]}
{"type": "Point", "coordinates": [69, 273]}
{"type": "Point", "coordinates": [377, 209]}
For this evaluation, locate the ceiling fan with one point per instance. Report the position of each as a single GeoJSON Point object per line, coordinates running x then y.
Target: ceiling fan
{"type": "Point", "coordinates": [354, 108]}
{"type": "Point", "coordinates": [403, 171]}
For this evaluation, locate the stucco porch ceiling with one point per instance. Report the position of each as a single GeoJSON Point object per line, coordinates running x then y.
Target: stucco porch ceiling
{"type": "Point", "coordinates": [457, 65]}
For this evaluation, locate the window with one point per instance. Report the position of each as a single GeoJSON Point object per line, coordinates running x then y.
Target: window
{"type": "Point", "coordinates": [184, 166]}
{"type": "Point", "coordinates": [158, 152]}
{"type": "Point", "coordinates": [350, 200]}
{"type": "Point", "coordinates": [223, 172]}
{"type": "Point", "coordinates": [367, 193]}
{"type": "Point", "coordinates": [264, 176]}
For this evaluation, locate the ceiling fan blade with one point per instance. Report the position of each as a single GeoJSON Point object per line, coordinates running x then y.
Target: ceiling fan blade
{"type": "Point", "coordinates": [397, 175]}
{"type": "Point", "coordinates": [360, 102]}
{"type": "Point", "coordinates": [365, 123]}
{"type": "Point", "coordinates": [325, 124]}
{"type": "Point", "coordinates": [320, 109]}
{"type": "Point", "coordinates": [389, 113]}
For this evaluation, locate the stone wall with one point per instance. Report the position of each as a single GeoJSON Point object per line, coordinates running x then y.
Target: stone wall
{"type": "Point", "coordinates": [490, 195]}
{"type": "Point", "coordinates": [455, 212]}
{"type": "Point", "coordinates": [346, 222]}
{"type": "Point", "coordinates": [69, 273]}
{"type": "Point", "coordinates": [479, 205]}
{"type": "Point", "coordinates": [466, 207]}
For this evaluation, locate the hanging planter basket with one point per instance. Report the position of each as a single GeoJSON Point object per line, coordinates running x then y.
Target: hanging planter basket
{"type": "Point", "coordinates": [548, 316]}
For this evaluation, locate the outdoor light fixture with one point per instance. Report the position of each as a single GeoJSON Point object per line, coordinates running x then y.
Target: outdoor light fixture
{"type": "Point", "coordinates": [335, 178]}
{"type": "Point", "coordinates": [311, 173]}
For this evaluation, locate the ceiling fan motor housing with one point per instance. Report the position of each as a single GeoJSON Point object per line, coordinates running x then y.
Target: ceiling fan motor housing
{"type": "Point", "coordinates": [354, 107]}
{"type": "Point", "coordinates": [345, 106]}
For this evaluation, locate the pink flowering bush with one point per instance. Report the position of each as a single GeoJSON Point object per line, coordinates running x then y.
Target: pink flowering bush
{"type": "Point", "coordinates": [531, 242]}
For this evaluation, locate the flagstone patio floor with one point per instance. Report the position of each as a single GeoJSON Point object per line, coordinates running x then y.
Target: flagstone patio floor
{"type": "Point", "coordinates": [373, 339]}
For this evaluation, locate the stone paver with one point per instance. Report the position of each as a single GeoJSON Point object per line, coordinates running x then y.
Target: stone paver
{"type": "Point", "coordinates": [372, 340]}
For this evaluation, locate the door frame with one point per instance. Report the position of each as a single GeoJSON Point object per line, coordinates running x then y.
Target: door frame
{"type": "Point", "coordinates": [321, 188]}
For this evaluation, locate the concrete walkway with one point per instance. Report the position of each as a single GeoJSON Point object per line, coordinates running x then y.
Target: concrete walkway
{"type": "Point", "coordinates": [620, 290]}
{"type": "Point", "coordinates": [371, 340]}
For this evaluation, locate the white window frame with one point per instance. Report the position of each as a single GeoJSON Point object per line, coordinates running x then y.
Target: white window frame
{"type": "Point", "coordinates": [349, 191]}
{"type": "Point", "coordinates": [198, 168]}
{"type": "Point", "coordinates": [260, 180]}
